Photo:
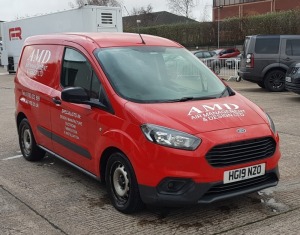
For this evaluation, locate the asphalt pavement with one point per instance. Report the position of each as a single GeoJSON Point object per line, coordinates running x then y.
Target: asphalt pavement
{"type": "Point", "coordinates": [51, 197]}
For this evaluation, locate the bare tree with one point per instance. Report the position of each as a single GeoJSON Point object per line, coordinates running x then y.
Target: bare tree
{"type": "Point", "coordinates": [110, 3]}
{"type": "Point", "coordinates": [142, 10]}
{"type": "Point", "coordinates": [182, 7]}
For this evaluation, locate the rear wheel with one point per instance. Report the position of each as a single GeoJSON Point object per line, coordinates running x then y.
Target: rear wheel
{"type": "Point", "coordinates": [122, 185]}
{"type": "Point", "coordinates": [275, 81]}
{"type": "Point", "coordinates": [28, 146]}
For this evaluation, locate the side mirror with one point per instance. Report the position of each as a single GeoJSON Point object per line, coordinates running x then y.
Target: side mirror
{"type": "Point", "coordinates": [75, 95]}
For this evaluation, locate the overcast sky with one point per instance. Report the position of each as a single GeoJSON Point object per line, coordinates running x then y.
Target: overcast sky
{"type": "Point", "coordinates": [13, 9]}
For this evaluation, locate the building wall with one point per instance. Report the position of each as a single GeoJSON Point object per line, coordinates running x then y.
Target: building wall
{"type": "Point", "coordinates": [254, 8]}
{"type": "Point", "coordinates": [0, 31]}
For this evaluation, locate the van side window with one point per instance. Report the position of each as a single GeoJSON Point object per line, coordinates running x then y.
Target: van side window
{"type": "Point", "coordinates": [78, 72]}
{"type": "Point", "coordinates": [267, 45]}
{"type": "Point", "coordinates": [292, 47]}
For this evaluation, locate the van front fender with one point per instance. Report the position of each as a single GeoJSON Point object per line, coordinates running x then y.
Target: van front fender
{"type": "Point", "coordinates": [125, 142]}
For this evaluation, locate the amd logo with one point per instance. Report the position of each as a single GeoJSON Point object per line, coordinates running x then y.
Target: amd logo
{"type": "Point", "coordinates": [209, 108]}
{"type": "Point", "coordinates": [15, 33]}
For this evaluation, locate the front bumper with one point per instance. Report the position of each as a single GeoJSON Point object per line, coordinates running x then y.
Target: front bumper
{"type": "Point", "coordinates": [294, 85]}
{"type": "Point", "coordinates": [188, 192]}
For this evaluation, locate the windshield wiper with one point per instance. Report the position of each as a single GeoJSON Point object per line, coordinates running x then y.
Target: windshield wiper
{"type": "Point", "coordinates": [187, 98]}
{"type": "Point", "coordinates": [229, 90]}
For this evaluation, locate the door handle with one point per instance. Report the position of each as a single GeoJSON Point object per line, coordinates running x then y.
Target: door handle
{"type": "Point", "coordinates": [56, 100]}
{"type": "Point", "coordinates": [287, 59]}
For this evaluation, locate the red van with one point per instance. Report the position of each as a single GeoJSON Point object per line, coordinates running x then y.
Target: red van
{"type": "Point", "coordinates": [144, 115]}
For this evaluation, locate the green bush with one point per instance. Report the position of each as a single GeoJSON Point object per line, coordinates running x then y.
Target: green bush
{"type": "Point", "coordinates": [232, 31]}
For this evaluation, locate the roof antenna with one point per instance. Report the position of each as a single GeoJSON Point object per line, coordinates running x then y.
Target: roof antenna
{"type": "Point", "coordinates": [138, 26]}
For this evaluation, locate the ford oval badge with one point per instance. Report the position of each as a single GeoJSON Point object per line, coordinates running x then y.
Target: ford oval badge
{"type": "Point", "coordinates": [241, 130]}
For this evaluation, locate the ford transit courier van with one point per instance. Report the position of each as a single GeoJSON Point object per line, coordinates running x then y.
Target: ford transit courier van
{"type": "Point", "coordinates": [266, 58]}
{"type": "Point", "coordinates": [144, 115]}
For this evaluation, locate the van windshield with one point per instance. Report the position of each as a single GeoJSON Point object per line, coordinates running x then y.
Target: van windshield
{"type": "Point", "coordinates": [158, 74]}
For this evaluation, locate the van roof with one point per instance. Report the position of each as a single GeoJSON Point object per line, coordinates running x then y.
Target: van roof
{"type": "Point", "coordinates": [102, 39]}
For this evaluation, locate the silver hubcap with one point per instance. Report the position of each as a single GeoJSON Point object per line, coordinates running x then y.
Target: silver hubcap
{"type": "Point", "coordinates": [27, 141]}
{"type": "Point", "coordinates": [120, 181]}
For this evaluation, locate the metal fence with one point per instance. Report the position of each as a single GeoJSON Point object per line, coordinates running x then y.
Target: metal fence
{"type": "Point", "coordinates": [225, 68]}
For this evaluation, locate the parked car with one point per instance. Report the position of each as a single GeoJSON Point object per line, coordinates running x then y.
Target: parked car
{"type": "Point", "coordinates": [292, 79]}
{"type": "Point", "coordinates": [266, 59]}
{"type": "Point", "coordinates": [233, 62]}
{"type": "Point", "coordinates": [152, 122]}
{"type": "Point", "coordinates": [209, 58]}
{"type": "Point", "coordinates": [227, 53]}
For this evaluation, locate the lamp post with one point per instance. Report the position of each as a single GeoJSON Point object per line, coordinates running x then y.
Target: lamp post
{"type": "Point", "coordinates": [219, 8]}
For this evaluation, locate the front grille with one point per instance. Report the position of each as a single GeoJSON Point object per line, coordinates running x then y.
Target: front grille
{"type": "Point", "coordinates": [252, 183]}
{"type": "Point", "coordinates": [292, 70]}
{"type": "Point", "coordinates": [241, 152]}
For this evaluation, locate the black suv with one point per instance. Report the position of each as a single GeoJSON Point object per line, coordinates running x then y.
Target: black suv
{"type": "Point", "coordinates": [266, 58]}
{"type": "Point", "coordinates": [292, 79]}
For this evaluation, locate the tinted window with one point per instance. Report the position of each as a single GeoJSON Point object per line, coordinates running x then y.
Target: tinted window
{"type": "Point", "coordinates": [246, 44]}
{"type": "Point", "coordinates": [293, 47]}
{"type": "Point", "coordinates": [199, 55]}
{"type": "Point", "coordinates": [267, 45]}
{"type": "Point", "coordinates": [78, 72]}
{"type": "Point", "coordinates": [206, 54]}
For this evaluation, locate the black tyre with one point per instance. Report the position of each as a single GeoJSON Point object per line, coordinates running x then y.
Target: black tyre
{"type": "Point", "coordinates": [122, 185]}
{"type": "Point", "coordinates": [275, 81]}
{"type": "Point", "coordinates": [261, 84]}
{"type": "Point", "coordinates": [28, 146]}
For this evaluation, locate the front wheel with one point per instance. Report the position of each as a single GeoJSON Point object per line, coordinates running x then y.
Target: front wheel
{"type": "Point", "coordinates": [275, 81]}
{"type": "Point", "coordinates": [28, 146]}
{"type": "Point", "coordinates": [122, 185]}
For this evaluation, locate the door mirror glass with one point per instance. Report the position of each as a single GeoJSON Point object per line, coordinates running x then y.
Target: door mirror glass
{"type": "Point", "coordinates": [75, 95]}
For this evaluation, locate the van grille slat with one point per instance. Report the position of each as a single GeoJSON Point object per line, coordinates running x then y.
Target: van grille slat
{"type": "Point", "coordinates": [240, 185]}
{"type": "Point", "coordinates": [241, 152]}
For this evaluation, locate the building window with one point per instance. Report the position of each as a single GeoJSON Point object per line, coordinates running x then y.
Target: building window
{"type": "Point", "coordinates": [217, 3]}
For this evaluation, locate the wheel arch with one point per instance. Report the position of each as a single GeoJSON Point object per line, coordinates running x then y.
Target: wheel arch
{"type": "Point", "coordinates": [104, 159]}
{"type": "Point", "coordinates": [268, 70]}
{"type": "Point", "coordinates": [19, 118]}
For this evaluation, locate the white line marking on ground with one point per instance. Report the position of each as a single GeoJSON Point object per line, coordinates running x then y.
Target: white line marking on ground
{"type": "Point", "coordinates": [9, 158]}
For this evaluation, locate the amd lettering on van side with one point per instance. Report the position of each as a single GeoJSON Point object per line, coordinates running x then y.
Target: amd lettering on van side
{"type": "Point", "coordinates": [216, 111]}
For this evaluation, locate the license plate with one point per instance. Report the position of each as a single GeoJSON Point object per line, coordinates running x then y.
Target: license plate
{"type": "Point", "coordinates": [288, 79]}
{"type": "Point", "coordinates": [244, 173]}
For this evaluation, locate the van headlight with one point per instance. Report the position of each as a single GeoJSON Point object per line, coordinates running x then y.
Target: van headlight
{"type": "Point", "coordinates": [170, 138]}
{"type": "Point", "coordinates": [271, 123]}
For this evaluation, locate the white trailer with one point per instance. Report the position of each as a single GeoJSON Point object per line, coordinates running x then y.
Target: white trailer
{"type": "Point", "coordinates": [85, 19]}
